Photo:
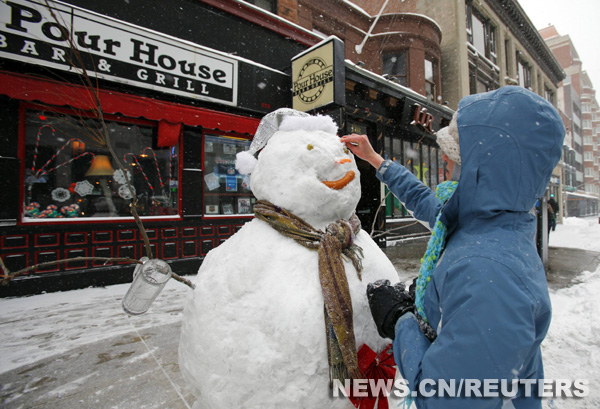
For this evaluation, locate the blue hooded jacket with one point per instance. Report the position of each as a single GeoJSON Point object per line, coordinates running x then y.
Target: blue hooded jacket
{"type": "Point", "coordinates": [488, 297]}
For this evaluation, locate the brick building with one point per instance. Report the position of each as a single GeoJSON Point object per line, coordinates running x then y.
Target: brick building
{"type": "Point", "coordinates": [577, 99]}
{"type": "Point", "coordinates": [404, 46]}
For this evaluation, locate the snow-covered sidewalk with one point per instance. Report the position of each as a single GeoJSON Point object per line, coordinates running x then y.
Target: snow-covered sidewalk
{"type": "Point", "coordinates": [49, 325]}
{"type": "Point", "coordinates": [36, 327]}
{"type": "Point", "coordinates": [571, 349]}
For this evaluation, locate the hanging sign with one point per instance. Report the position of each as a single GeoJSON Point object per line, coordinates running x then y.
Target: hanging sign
{"type": "Point", "coordinates": [318, 76]}
{"type": "Point", "coordinates": [68, 38]}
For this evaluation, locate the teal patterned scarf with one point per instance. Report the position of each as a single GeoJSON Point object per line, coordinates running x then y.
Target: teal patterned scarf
{"type": "Point", "coordinates": [434, 248]}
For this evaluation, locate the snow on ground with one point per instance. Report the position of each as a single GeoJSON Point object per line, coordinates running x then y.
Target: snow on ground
{"type": "Point", "coordinates": [571, 349]}
{"type": "Point", "coordinates": [582, 233]}
{"type": "Point", "coordinates": [40, 326]}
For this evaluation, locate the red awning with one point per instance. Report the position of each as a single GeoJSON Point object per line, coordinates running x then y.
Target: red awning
{"type": "Point", "coordinates": [34, 89]}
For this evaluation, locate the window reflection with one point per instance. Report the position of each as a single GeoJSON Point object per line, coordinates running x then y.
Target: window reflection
{"type": "Point", "coordinates": [226, 192]}
{"type": "Point", "coordinates": [70, 174]}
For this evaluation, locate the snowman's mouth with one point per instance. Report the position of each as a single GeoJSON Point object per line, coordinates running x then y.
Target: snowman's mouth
{"type": "Point", "coordinates": [340, 183]}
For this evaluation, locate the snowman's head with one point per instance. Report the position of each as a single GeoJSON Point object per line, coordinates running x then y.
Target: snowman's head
{"type": "Point", "coordinates": [305, 169]}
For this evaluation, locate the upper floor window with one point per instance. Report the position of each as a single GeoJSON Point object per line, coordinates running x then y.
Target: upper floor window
{"type": "Point", "coordinates": [430, 84]}
{"type": "Point", "coordinates": [395, 66]}
{"type": "Point", "coordinates": [507, 58]}
{"type": "Point", "coordinates": [576, 112]}
{"type": "Point", "coordinates": [481, 33]}
{"type": "Point", "coordinates": [549, 95]}
{"type": "Point", "coordinates": [477, 83]}
{"type": "Point", "coordinates": [524, 72]}
{"type": "Point", "coordinates": [269, 5]}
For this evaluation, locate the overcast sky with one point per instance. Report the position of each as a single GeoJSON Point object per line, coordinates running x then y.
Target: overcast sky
{"type": "Point", "coordinates": [580, 19]}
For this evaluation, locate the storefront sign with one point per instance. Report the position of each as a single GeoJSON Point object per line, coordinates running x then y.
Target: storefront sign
{"type": "Point", "coordinates": [70, 39]}
{"type": "Point", "coordinates": [422, 118]}
{"type": "Point", "coordinates": [318, 76]}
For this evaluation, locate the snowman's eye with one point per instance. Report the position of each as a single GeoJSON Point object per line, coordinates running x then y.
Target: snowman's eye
{"type": "Point", "coordinates": [309, 147]}
{"type": "Point", "coordinates": [346, 151]}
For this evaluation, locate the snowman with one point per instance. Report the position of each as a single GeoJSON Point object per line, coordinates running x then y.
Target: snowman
{"type": "Point", "coordinates": [280, 308]}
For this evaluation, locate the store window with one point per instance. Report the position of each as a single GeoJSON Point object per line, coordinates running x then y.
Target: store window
{"type": "Point", "coordinates": [226, 192]}
{"type": "Point", "coordinates": [425, 166]}
{"type": "Point", "coordinates": [387, 147]}
{"type": "Point", "coordinates": [442, 174]}
{"type": "Point", "coordinates": [410, 156]}
{"type": "Point", "coordinates": [395, 67]}
{"type": "Point", "coordinates": [69, 175]}
{"type": "Point", "coordinates": [430, 170]}
{"type": "Point", "coordinates": [397, 150]}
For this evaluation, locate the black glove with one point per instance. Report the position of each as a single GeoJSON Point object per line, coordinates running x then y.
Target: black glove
{"type": "Point", "coordinates": [388, 303]}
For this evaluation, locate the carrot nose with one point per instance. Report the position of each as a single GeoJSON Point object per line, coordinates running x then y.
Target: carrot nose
{"type": "Point", "coordinates": [342, 161]}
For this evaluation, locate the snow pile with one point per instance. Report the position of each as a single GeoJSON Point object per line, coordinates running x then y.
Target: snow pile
{"type": "Point", "coordinates": [575, 232]}
{"type": "Point", "coordinates": [571, 349]}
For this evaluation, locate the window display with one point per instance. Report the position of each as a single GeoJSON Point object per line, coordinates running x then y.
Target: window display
{"type": "Point", "coordinates": [226, 192]}
{"type": "Point", "coordinates": [69, 174]}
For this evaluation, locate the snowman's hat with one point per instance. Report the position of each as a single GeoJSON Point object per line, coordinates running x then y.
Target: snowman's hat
{"type": "Point", "coordinates": [273, 122]}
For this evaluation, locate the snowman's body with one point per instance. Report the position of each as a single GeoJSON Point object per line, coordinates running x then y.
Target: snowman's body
{"type": "Point", "coordinates": [253, 333]}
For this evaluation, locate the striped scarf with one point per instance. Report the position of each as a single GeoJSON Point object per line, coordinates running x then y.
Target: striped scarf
{"type": "Point", "coordinates": [435, 247]}
{"type": "Point", "coordinates": [335, 242]}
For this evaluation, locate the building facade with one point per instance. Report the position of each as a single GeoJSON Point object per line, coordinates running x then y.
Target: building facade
{"type": "Point", "coordinates": [176, 103]}
{"type": "Point", "coordinates": [577, 100]}
{"type": "Point", "coordinates": [484, 45]}
{"type": "Point", "coordinates": [401, 50]}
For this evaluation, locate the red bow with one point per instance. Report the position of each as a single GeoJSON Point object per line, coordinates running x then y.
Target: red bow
{"type": "Point", "coordinates": [376, 368]}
